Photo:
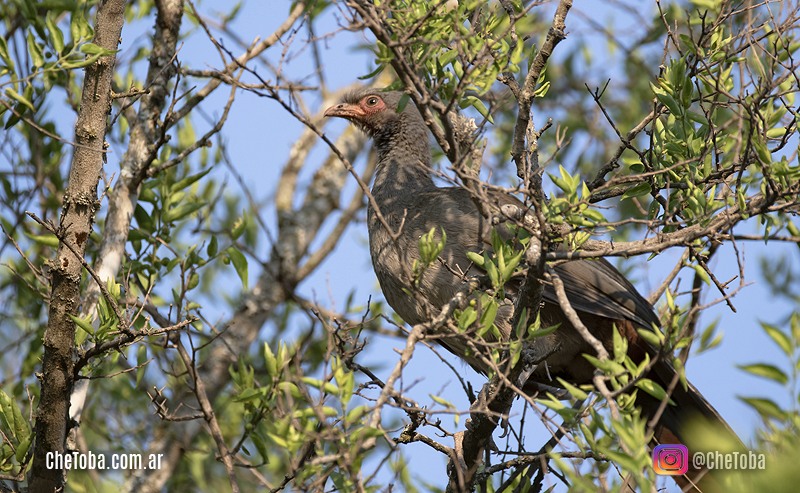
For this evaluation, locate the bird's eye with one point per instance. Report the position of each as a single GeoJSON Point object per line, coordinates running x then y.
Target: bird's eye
{"type": "Point", "coordinates": [372, 101]}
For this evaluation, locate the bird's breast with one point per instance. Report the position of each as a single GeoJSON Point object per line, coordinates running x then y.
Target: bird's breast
{"type": "Point", "coordinates": [414, 291]}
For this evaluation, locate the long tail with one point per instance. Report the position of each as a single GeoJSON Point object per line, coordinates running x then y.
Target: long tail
{"type": "Point", "coordinates": [691, 422]}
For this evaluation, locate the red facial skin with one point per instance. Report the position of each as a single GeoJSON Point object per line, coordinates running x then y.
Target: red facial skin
{"type": "Point", "coordinates": [368, 106]}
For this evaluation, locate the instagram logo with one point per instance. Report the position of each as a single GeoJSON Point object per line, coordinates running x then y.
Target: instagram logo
{"type": "Point", "coordinates": [670, 459]}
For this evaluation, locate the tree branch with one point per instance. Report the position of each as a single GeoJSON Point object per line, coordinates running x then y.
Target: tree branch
{"type": "Point", "coordinates": [78, 210]}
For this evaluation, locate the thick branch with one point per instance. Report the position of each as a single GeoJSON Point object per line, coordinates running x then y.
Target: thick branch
{"type": "Point", "coordinates": [554, 36]}
{"type": "Point", "coordinates": [77, 215]}
{"type": "Point", "coordinates": [718, 227]}
{"type": "Point", "coordinates": [140, 153]}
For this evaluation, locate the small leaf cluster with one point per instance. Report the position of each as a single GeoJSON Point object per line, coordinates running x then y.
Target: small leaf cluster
{"type": "Point", "coordinates": [429, 249]}
{"type": "Point", "coordinates": [168, 205]}
{"type": "Point", "coordinates": [502, 261]}
{"type": "Point", "coordinates": [16, 434]}
{"type": "Point", "coordinates": [108, 323]}
{"type": "Point", "coordinates": [52, 54]}
{"type": "Point", "coordinates": [788, 341]}
{"type": "Point", "coordinates": [286, 411]}
{"type": "Point", "coordinates": [456, 47]}
{"type": "Point", "coordinates": [572, 206]}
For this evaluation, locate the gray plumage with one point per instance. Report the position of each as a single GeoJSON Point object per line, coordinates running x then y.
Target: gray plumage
{"type": "Point", "coordinates": [406, 195]}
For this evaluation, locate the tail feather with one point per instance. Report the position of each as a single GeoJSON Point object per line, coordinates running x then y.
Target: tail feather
{"type": "Point", "coordinates": [691, 421]}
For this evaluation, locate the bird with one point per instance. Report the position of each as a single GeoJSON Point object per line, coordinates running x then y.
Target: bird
{"type": "Point", "coordinates": [406, 204]}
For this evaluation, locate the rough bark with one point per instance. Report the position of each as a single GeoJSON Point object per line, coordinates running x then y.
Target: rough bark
{"type": "Point", "coordinates": [145, 134]}
{"type": "Point", "coordinates": [78, 210]}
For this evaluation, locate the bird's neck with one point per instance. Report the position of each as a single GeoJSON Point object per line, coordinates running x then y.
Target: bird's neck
{"type": "Point", "coordinates": [404, 165]}
{"type": "Point", "coordinates": [397, 175]}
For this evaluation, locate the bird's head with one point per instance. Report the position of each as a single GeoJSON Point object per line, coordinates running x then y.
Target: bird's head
{"type": "Point", "coordinates": [376, 112]}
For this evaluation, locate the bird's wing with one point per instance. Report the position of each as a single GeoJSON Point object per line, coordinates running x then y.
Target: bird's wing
{"type": "Point", "coordinates": [592, 286]}
{"type": "Point", "coordinates": [596, 287]}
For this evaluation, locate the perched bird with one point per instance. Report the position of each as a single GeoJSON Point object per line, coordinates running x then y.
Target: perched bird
{"type": "Point", "coordinates": [409, 204]}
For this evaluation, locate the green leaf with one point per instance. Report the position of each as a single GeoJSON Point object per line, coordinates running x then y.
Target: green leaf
{"type": "Point", "coordinates": [365, 433]}
{"type": "Point", "coordinates": [22, 448]}
{"type": "Point", "coordinates": [467, 317]}
{"type": "Point", "coordinates": [652, 388]}
{"type": "Point", "coordinates": [373, 73]}
{"type": "Point", "coordinates": [7, 60]}
{"type": "Point", "coordinates": [478, 105]}
{"type": "Point", "coordinates": [709, 338]}
{"type": "Point", "coordinates": [17, 96]}
{"type": "Point", "coordinates": [781, 339]}
{"type": "Point", "coordinates": [186, 208]}
{"type": "Point", "coordinates": [776, 133]}
{"type": "Point", "coordinates": [84, 323]}
{"type": "Point", "coordinates": [185, 183]}
{"type": "Point", "coordinates": [712, 5]}
{"type": "Point", "coordinates": [656, 338]}
{"type": "Point", "coordinates": [607, 365]}
{"type": "Point", "coordinates": [50, 240]}
{"type": "Point", "coordinates": [81, 63]}
{"type": "Point", "coordinates": [620, 345]}
{"type": "Point", "coordinates": [447, 57]}
{"type": "Point", "coordinates": [766, 371]}
{"type": "Point", "coordinates": [552, 403]}
{"type": "Point", "coordinates": [93, 49]}
{"type": "Point", "coordinates": [637, 191]}
{"type": "Point", "coordinates": [442, 402]}
{"type": "Point", "coordinates": [194, 280]}
{"type": "Point", "coordinates": [488, 315]}
{"type": "Point", "coordinates": [765, 407]}
{"type": "Point", "coordinates": [35, 51]}
{"type": "Point", "coordinates": [213, 247]}
{"type": "Point", "coordinates": [261, 445]}
{"type": "Point", "coordinates": [429, 248]}
{"type": "Point", "coordinates": [56, 36]}
{"type": "Point", "coordinates": [239, 262]}
{"type": "Point", "coordinates": [476, 258]}
{"type": "Point", "coordinates": [702, 274]}
{"type": "Point", "coordinates": [541, 331]}
{"type": "Point", "coordinates": [566, 182]}
{"type": "Point", "coordinates": [667, 100]}
{"type": "Point", "coordinates": [247, 394]}
{"type": "Point", "coordinates": [239, 227]}
{"type": "Point", "coordinates": [13, 424]}
{"type": "Point", "coordinates": [346, 382]}
{"type": "Point", "coordinates": [573, 390]}
{"type": "Point", "coordinates": [511, 264]}
{"type": "Point", "coordinates": [271, 363]}
{"type": "Point", "coordinates": [677, 363]}
{"type": "Point", "coordinates": [401, 105]}
{"type": "Point", "coordinates": [279, 440]}
{"type": "Point", "coordinates": [290, 388]}
{"type": "Point", "coordinates": [762, 151]}
{"type": "Point", "coordinates": [328, 387]}
{"type": "Point", "coordinates": [541, 91]}
{"type": "Point", "coordinates": [356, 414]}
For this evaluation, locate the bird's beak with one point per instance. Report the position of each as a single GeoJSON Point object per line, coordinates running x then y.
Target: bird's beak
{"type": "Point", "coordinates": [345, 110]}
